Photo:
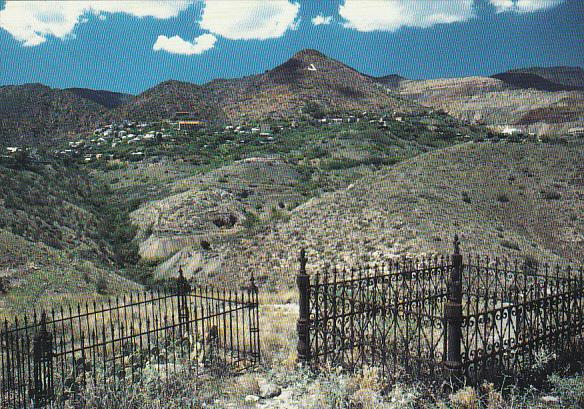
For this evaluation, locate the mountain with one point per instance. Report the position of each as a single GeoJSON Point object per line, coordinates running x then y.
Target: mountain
{"type": "Point", "coordinates": [34, 112]}
{"type": "Point", "coordinates": [528, 80]}
{"type": "Point", "coordinates": [569, 77]}
{"type": "Point", "coordinates": [540, 100]}
{"type": "Point", "coordinates": [506, 100]}
{"type": "Point", "coordinates": [166, 98]}
{"type": "Point", "coordinates": [107, 99]}
{"type": "Point", "coordinates": [308, 78]}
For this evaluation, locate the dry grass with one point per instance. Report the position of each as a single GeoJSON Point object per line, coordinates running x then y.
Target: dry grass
{"type": "Point", "coordinates": [278, 319]}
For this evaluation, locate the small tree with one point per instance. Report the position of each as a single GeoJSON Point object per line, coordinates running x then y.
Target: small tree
{"type": "Point", "coordinates": [21, 158]}
{"type": "Point", "coordinates": [101, 286]}
{"type": "Point", "coordinates": [3, 285]}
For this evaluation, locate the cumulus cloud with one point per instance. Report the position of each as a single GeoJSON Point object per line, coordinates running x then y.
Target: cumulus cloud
{"type": "Point", "coordinates": [176, 45]}
{"type": "Point", "coordinates": [524, 6]}
{"type": "Point", "coordinates": [249, 19]}
{"type": "Point", "coordinates": [31, 22]}
{"type": "Point", "coordinates": [390, 15]}
{"type": "Point", "coordinates": [321, 20]}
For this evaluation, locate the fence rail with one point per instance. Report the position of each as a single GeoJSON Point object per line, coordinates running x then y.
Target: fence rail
{"type": "Point", "coordinates": [49, 357]}
{"type": "Point", "coordinates": [439, 316]}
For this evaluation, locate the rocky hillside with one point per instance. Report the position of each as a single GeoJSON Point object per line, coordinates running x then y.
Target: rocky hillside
{"type": "Point", "coordinates": [34, 113]}
{"type": "Point", "coordinates": [169, 97]}
{"type": "Point", "coordinates": [498, 103]}
{"type": "Point", "coordinates": [58, 235]}
{"type": "Point", "coordinates": [514, 200]}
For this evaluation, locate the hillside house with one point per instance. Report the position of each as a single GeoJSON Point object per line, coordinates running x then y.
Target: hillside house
{"type": "Point", "coordinates": [510, 131]}
{"type": "Point", "coordinates": [578, 131]}
{"type": "Point", "coordinates": [189, 125]}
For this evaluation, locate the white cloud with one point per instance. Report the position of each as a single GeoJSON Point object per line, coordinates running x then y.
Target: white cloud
{"type": "Point", "coordinates": [31, 22]}
{"type": "Point", "coordinates": [390, 15]}
{"type": "Point", "coordinates": [321, 20]}
{"type": "Point", "coordinates": [249, 19]}
{"type": "Point", "coordinates": [524, 6]}
{"type": "Point", "coordinates": [176, 45]}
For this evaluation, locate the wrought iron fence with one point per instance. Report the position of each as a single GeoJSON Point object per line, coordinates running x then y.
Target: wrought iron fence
{"type": "Point", "coordinates": [387, 315]}
{"type": "Point", "coordinates": [51, 356]}
{"type": "Point", "coordinates": [520, 318]}
{"type": "Point", "coordinates": [439, 316]}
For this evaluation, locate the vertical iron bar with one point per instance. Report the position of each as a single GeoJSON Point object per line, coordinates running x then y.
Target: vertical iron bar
{"type": "Point", "coordinates": [303, 325]}
{"type": "Point", "coordinates": [453, 318]}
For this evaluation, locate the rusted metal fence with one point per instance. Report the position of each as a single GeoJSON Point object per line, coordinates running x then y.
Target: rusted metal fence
{"type": "Point", "coordinates": [483, 319]}
{"type": "Point", "coordinates": [49, 358]}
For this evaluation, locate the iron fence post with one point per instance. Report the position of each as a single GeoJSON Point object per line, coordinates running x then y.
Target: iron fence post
{"type": "Point", "coordinates": [183, 290]}
{"type": "Point", "coordinates": [303, 325]}
{"type": "Point", "coordinates": [43, 385]}
{"type": "Point", "coordinates": [255, 323]}
{"type": "Point", "coordinates": [453, 317]}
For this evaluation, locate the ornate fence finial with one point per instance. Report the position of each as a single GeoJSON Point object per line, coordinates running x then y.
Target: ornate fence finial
{"type": "Point", "coordinates": [456, 244]}
{"type": "Point", "coordinates": [183, 286]}
{"type": "Point", "coordinates": [252, 283]}
{"type": "Point", "coordinates": [303, 261]}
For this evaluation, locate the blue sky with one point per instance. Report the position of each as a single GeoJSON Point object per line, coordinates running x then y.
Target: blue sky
{"type": "Point", "coordinates": [130, 46]}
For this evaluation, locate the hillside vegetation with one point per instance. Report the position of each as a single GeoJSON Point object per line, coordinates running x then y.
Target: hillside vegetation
{"type": "Point", "coordinates": [513, 200]}
{"type": "Point", "coordinates": [61, 234]}
{"type": "Point", "coordinates": [205, 188]}
{"type": "Point", "coordinates": [32, 114]}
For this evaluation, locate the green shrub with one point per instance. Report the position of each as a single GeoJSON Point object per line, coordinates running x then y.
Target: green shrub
{"type": "Point", "coordinates": [510, 245]}
{"type": "Point", "coordinates": [3, 285]}
{"type": "Point", "coordinates": [279, 215]}
{"type": "Point", "coordinates": [570, 390]}
{"type": "Point", "coordinates": [316, 152]}
{"type": "Point", "coordinates": [101, 286]}
{"type": "Point", "coordinates": [251, 219]}
{"type": "Point", "coordinates": [502, 198]}
{"type": "Point", "coordinates": [530, 264]}
{"type": "Point", "coordinates": [21, 159]}
{"type": "Point", "coordinates": [551, 195]}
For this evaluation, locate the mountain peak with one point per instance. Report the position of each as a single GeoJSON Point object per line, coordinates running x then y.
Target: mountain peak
{"type": "Point", "coordinates": [308, 53]}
